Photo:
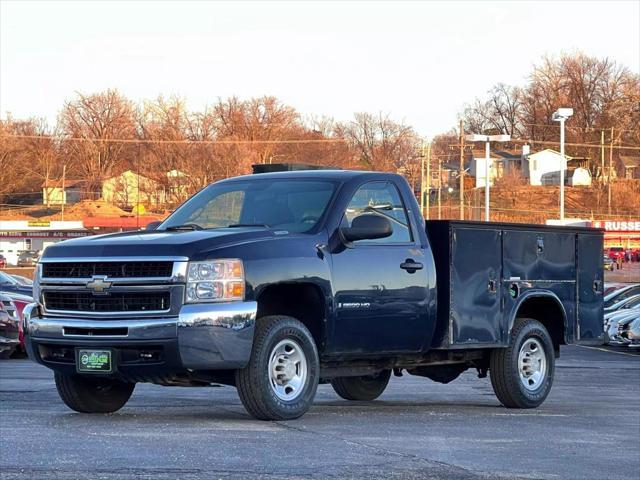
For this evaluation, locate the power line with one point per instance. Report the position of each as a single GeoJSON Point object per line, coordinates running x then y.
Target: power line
{"type": "Point", "coordinates": [184, 141]}
{"type": "Point", "coordinates": [274, 142]}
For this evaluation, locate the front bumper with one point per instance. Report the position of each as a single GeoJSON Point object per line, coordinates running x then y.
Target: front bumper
{"type": "Point", "coordinates": [202, 337]}
{"type": "Point", "coordinates": [9, 334]}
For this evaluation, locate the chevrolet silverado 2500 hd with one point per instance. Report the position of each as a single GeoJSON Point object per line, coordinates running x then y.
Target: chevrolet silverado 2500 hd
{"type": "Point", "coordinates": [275, 282]}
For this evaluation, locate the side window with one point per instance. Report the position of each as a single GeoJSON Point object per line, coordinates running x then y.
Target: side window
{"type": "Point", "coordinates": [380, 198]}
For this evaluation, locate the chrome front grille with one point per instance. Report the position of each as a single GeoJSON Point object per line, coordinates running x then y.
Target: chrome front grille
{"type": "Point", "coordinates": [113, 302]}
{"type": "Point", "coordinates": [106, 288]}
{"type": "Point", "coordinates": [141, 269]}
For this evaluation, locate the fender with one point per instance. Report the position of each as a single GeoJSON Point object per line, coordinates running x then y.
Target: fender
{"type": "Point", "coordinates": [537, 293]}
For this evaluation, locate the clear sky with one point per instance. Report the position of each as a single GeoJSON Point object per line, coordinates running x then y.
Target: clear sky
{"type": "Point", "coordinates": [419, 61]}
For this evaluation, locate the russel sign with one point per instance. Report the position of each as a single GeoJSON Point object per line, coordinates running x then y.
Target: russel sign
{"type": "Point", "coordinates": [617, 225]}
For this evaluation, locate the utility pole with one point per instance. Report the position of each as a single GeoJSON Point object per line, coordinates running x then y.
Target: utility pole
{"type": "Point", "coordinates": [428, 180]}
{"type": "Point", "coordinates": [602, 153]}
{"type": "Point", "coordinates": [440, 187]}
{"type": "Point", "coordinates": [64, 192]}
{"type": "Point", "coordinates": [610, 172]}
{"type": "Point", "coordinates": [461, 170]}
{"type": "Point", "coordinates": [422, 155]}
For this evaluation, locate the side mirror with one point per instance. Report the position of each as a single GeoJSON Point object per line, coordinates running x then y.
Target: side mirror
{"type": "Point", "coordinates": [367, 227]}
{"type": "Point", "coordinates": [152, 225]}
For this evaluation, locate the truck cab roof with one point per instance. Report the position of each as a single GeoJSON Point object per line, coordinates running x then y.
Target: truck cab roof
{"type": "Point", "coordinates": [335, 175]}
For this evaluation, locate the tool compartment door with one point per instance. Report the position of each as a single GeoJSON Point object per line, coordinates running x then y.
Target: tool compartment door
{"type": "Point", "coordinates": [475, 316]}
{"type": "Point", "coordinates": [590, 285]}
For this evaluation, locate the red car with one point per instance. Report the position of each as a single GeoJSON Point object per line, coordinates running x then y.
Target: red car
{"type": "Point", "coordinates": [615, 253]}
{"type": "Point", "coordinates": [3, 261]}
{"type": "Point", "coordinates": [19, 301]}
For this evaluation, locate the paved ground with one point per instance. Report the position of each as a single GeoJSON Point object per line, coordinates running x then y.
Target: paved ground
{"type": "Point", "coordinates": [630, 273]}
{"type": "Point", "coordinates": [588, 428]}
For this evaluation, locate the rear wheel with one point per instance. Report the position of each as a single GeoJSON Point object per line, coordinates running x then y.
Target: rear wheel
{"type": "Point", "coordinates": [93, 395]}
{"type": "Point", "coordinates": [522, 374]}
{"type": "Point", "coordinates": [281, 379]}
{"type": "Point", "coordinates": [365, 388]}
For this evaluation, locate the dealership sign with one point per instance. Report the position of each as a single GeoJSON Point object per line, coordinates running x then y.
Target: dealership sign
{"type": "Point", "coordinates": [617, 226]}
{"type": "Point", "coordinates": [45, 234]}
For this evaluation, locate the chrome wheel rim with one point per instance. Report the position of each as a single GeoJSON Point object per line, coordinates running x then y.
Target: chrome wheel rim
{"type": "Point", "coordinates": [532, 364]}
{"type": "Point", "coordinates": [287, 370]}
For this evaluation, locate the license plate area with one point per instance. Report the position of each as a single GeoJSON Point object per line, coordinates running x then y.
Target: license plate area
{"type": "Point", "coordinates": [94, 360]}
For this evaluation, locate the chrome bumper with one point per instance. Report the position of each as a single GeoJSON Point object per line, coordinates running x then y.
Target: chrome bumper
{"type": "Point", "coordinates": [209, 336]}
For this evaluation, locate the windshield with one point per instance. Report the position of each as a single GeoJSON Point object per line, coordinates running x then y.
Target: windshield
{"type": "Point", "coordinates": [6, 279]}
{"type": "Point", "coordinates": [620, 295]}
{"type": "Point", "coordinates": [294, 205]}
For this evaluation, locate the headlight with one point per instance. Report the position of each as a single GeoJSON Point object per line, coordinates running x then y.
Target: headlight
{"type": "Point", "coordinates": [215, 281]}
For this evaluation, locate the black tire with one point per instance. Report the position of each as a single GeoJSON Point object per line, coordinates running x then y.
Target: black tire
{"type": "Point", "coordinates": [504, 366]}
{"type": "Point", "coordinates": [93, 394]}
{"type": "Point", "coordinates": [365, 388]}
{"type": "Point", "coordinates": [253, 382]}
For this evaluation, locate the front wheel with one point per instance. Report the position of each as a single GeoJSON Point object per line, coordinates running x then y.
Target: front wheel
{"type": "Point", "coordinates": [522, 374]}
{"type": "Point", "coordinates": [93, 395]}
{"type": "Point", "coordinates": [281, 379]}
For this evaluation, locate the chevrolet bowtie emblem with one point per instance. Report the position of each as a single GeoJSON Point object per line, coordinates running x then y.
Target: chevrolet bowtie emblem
{"type": "Point", "coordinates": [98, 284]}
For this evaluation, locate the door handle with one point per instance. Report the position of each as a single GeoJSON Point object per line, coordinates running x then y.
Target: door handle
{"type": "Point", "coordinates": [410, 266]}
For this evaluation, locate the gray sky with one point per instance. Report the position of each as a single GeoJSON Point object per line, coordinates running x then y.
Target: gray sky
{"type": "Point", "coordinates": [419, 61]}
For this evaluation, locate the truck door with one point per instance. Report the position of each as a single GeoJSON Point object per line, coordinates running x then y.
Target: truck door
{"type": "Point", "coordinates": [589, 288]}
{"type": "Point", "coordinates": [380, 286]}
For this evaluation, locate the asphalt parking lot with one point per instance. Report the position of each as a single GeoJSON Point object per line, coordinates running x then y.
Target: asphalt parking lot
{"type": "Point", "coordinates": [589, 427]}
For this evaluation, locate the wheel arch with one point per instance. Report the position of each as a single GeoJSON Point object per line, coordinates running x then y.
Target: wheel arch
{"type": "Point", "coordinates": [545, 307]}
{"type": "Point", "coordinates": [303, 301]}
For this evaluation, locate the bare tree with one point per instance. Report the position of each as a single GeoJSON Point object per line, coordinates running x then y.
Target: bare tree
{"type": "Point", "coordinates": [88, 123]}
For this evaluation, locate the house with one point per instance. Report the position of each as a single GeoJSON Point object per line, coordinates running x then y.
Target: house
{"type": "Point", "coordinates": [501, 162]}
{"type": "Point", "coordinates": [543, 167]}
{"type": "Point", "coordinates": [631, 166]}
{"type": "Point", "coordinates": [62, 192]}
{"type": "Point", "coordinates": [130, 189]}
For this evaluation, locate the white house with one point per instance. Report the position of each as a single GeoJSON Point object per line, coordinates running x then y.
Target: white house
{"type": "Point", "coordinates": [543, 167]}
{"type": "Point", "coordinates": [130, 189]}
{"type": "Point", "coordinates": [500, 163]}
{"type": "Point", "coordinates": [53, 192]}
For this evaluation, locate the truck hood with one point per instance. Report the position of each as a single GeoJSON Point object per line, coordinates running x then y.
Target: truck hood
{"type": "Point", "coordinates": [154, 244]}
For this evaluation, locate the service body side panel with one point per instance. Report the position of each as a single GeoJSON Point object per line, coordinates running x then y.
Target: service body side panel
{"type": "Point", "coordinates": [487, 271]}
{"type": "Point", "coordinates": [590, 275]}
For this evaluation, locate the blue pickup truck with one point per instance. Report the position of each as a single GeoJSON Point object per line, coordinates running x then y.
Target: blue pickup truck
{"type": "Point", "coordinates": [276, 282]}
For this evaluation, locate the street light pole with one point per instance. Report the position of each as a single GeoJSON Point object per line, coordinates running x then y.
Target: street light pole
{"type": "Point", "coordinates": [487, 139]}
{"type": "Point", "coordinates": [561, 115]}
{"type": "Point", "coordinates": [563, 162]}
{"type": "Point", "coordinates": [487, 170]}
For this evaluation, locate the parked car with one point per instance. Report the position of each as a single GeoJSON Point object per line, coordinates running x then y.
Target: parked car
{"type": "Point", "coordinates": [3, 261]}
{"type": "Point", "coordinates": [608, 263]}
{"type": "Point", "coordinates": [612, 287]}
{"type": "Point", "coordinates": [630, 329]}
{"type": "Point", "coordinates": [616, 252]}
{"type": "Point", "coordinates": [11, 285]}
{"type": "Point", "coordinates": [23, 280]}
{"type": "Point", "coordinates": [9, 327]}
{"type": "Point", "coordinates": [20, 301]}
{"type": "Point", "coordinates": [624, 304]}
{"type": "Point", "coordinates": [621, 294]}
{"type": "Point", "coordinates": [312, 275]}
{"type": "Point", "coordinates": [611, 322]}
{"type": "Point", "coordinates": [28, 258]}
